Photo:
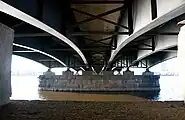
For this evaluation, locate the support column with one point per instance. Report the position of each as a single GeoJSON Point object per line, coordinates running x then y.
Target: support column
{"type": "Point", "coordinates": [148, 72]}
{"type": "Point", "coordinates": [181, 56]}
{"type": "Point", "coordinates": [6, 42]}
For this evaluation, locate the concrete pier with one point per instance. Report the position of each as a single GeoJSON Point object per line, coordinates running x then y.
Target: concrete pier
{"type": "Point", "coordinates": [6, 42]}
{"type": "Point", "coordinates": [104, 82]}
{"type": "Point", "coordinates": [181, 55]}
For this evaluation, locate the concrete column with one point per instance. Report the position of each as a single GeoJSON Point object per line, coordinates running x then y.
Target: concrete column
{"type": "Point", "coordinates": [6, 42]}
{"type": "Point", "coordinates": [148, 72]}
{"type": "Point", "coordinates": [181, 55]}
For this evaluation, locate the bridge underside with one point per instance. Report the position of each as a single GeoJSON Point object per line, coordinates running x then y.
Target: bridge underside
{"type": "Point", "coordinates": [92, 34]}
{"type": "Point", "coordinates": [98, 28]}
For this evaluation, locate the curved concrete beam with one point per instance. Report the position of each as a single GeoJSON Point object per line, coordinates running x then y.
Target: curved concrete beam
{"type": "Point", "coordinates": [41, 52]}
{"type": "Point", "coordinates": [5, 8]}
{"type": "Point", "coordinates": [162, 42]}
{"type": "Point", "coordinates": [151, 53]}
{"type": "Point", "coordinates": [156, 22]}
{"type": "Point", "coordinates": [160, 61]}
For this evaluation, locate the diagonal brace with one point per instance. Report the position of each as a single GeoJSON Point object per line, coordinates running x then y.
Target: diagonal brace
{"type": "Point", "coordinates": [96, 41]}
{"type": "Point", "coordinates": [96, 17]}
{"type": "Point", "coordinates": [102, 40]}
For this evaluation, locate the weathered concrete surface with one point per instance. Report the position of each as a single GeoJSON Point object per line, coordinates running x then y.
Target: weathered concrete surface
{"type": "Point", "coordinates": [89, 82]}
{"type": "Point", "coordinates": [6, 40]}
{"type": "Point", "coordinates": [181, 56]}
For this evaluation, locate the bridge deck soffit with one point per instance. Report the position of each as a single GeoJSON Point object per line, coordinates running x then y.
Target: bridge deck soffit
{"type": "Point", "coordinates": [5, 8]}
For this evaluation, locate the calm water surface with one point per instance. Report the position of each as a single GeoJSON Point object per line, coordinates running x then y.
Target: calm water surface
{"type": "Point", "coordinates": [26, 88]}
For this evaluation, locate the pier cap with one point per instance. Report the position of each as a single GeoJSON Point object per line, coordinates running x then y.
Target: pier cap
{"type": "Point", "coordinates": [181, 22]}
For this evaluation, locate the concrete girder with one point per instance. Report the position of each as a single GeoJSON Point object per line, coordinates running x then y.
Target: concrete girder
{"type": "Point", "coordinates": [45, 44]}
{"type": "Point", "coordinates": [39, 58]}
{"type": "Point", "coordinates": [5, 8]}
{"type": "Point", "coordinates": [162, 42]}
{"type": "Point", "coordinates": [167, 56]}
{"type": "Point", "coordinates": [41, 52]}
{"type": "Point", "coordinates": [176, 9]}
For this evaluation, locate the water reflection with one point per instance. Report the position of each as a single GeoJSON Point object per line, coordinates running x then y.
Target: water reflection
{"type": "Point", "coordinates": [26, 88]}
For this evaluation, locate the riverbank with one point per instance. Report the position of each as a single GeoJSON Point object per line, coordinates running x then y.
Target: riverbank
{"type": "Point", "coordinates": [92, 110]}
{"type": "Point", "coordinates": [76, 96]}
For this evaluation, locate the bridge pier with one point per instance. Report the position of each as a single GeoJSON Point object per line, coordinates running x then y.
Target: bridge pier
{"type": "Point", "coordinates": [181, 55]}
{"type": "Point", "coordinates": [148, 72]}
{"type": "Point", "coordinates": [6, 42]}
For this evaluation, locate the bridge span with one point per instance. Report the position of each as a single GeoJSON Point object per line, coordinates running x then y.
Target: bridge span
{"type": "Point", "coordinates": [88, 34]}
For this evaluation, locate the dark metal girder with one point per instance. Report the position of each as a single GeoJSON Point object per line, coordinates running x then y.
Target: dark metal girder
{"type": "Point", "coordinates": [83, 49]}
{"type": "Point", "coordinates": [97, 2]}
{"type": "Point", "coordinates": [169, 50]}
{"type": "Point", "coordinates": [97, 17]}
{"type": "Point", "coordinates": [46, 60]}
{"type": "Point", "coordinates": [154, 9]}
{"type": "Point", "coordinates": [101, 40]}
{"type": "Point", "coordinates": [142, 63]}
{"type": "Point", "coordinates": [162, 33]}
{"type": "Point", "coordinates": [17, 25]}
{"type": "Point", "coordinates": [40, 9]}
{"type": "Point", "coordinates": [86, 33]}
{"type": "Point", "coordinates": [91, 32]}
{"type": "Point", "coordinates": [137, 49]}
{"type": "Point", "coordinates": [141, 41]}
{"type": "Point", "coordinates": [23, 51]}
{"type": "Point", "coordinates": [19, 35]}
{"type": "Point", "coordinates": [146, 44]}
{"type": "Point", "coordinates": [153, 43]}
{"type": "Point", "coordinates": [96, 41]}
{"type": "Point", "coordinates": [103, 48]}
{"type": "Point", "coordinates": [130, 18]}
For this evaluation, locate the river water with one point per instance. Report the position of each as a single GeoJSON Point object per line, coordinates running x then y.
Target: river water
{"type": "Point", "coordinates": [26, 88]}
